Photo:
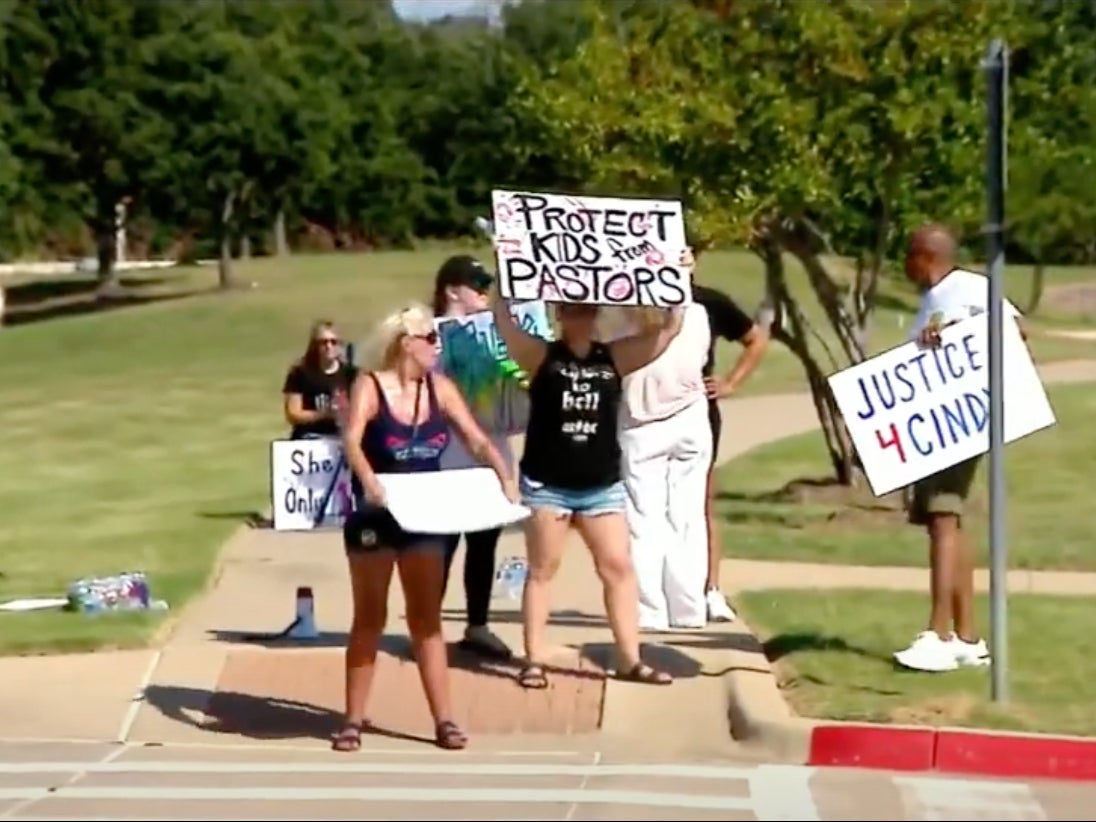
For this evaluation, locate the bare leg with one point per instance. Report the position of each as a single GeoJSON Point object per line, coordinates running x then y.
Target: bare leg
{"type": "Point", "coordinates": [370, 575]}
{"type": "Point", "coordinates": [606, 535]}
{"type": "Point", "coordinates": [715, 546]}
{"type": "Point", "coordinates": [944, 562]}
{"type": "Point", "coordinates": [962, 595]}
{"type": "Point", "coordinates": [545, 536]}
{"type": "Point", "coordinates": [422, 573]}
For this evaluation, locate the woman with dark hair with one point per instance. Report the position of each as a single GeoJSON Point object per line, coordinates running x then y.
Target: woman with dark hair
{"type": "Point", "coordinates": [571, 471]}
{"type": "Point", "coordinates": [460, 289]}
{"type": "Point", "coordinates": [315, 383]}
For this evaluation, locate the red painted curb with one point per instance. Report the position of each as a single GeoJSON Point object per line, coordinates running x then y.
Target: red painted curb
{"type": "Point", "coordinates": [873, 746]}
{"type": "Point", "coordinates": [950, 750]}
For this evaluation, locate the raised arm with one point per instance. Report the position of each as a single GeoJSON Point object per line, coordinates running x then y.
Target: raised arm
{"type": "Point", "coordinates": [524, 349]}
{"type": "Point", "coordinates": [632, 353]}
{"type": "Point", "coordinates": [479, 444]}
{"type": "Point", "coordinates": [364, 404]}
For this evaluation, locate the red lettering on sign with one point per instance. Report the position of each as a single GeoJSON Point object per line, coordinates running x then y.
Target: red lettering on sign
{"type": "Point", "coordinates": [894, 442]}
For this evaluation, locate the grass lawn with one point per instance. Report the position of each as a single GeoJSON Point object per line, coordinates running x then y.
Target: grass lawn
{"type": "Point", "coordinates": [137, 438]}
{"type": "Point", "coordinates": [832, 653]}
{"type": "Point", "coordinates": [1048, 476]}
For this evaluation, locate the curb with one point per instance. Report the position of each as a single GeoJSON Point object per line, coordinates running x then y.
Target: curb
{"type": "Point", "coordinates": [953, 750]}
{"type": "Point", "coordinates": [760, 717]}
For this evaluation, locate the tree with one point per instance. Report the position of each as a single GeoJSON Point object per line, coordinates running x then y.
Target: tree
{"type": "Point", "coordinates": [77, 70]}
{"type": "Point", "coordinates": [799, 128]}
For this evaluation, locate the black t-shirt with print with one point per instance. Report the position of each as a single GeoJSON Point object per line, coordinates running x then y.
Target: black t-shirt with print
{"type": "Point", "coordinates": [571, 441]}
{"type": "Point", "coordinates": [725, 319]}
{"type": "Point", "coordinates": [316, 389]}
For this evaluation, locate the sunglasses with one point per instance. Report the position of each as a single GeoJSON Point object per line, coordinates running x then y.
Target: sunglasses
{"type": "Point", "coordinates": [482, 282]}
{"type": "Point", "coordinates": [328, 341]}
{"type": "Point", "coordinates": [431, 337]}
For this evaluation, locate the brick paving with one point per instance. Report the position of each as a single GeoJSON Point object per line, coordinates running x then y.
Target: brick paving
{"type": "Point", "coordinates": [287, 692]}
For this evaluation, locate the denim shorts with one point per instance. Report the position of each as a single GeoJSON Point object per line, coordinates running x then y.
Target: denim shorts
{"type": "Point", "coordinates": [607, 499]}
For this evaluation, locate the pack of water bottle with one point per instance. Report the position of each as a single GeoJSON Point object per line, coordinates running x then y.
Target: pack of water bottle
{"type": "Point", "coordinates": [510, 577]}
{"type": "Point", "coordinates": [129, 591]}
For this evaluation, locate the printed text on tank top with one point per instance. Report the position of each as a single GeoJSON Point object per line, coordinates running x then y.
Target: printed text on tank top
{"type": "Point", "coordinates": [393, 445]}
{"type": "Point", "coordinates": [580, 400]}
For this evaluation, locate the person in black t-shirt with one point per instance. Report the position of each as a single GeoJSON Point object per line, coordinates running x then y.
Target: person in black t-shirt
{"type": "Point", "coordinates": [571, 472]}
{"type": "Point", "coordinates": [317, 385]}
{"type": "Point", "coordinates": [730, 322]}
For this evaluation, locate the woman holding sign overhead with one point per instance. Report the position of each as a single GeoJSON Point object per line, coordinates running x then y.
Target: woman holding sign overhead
{"type": "Point", "coordinates": [400, 419]}
{"type": "Point", "coordinates": [571, 473]}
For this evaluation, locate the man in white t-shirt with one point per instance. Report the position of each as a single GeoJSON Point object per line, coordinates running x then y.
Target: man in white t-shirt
{"type": "Point", "coordinates": [949, 295]}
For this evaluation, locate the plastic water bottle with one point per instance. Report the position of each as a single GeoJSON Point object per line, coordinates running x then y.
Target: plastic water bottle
{"type": "Point", "coordinates": [511, 577]}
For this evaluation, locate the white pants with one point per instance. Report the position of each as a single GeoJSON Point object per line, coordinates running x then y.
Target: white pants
{"type": "Point", "coordinates": [665, 465]}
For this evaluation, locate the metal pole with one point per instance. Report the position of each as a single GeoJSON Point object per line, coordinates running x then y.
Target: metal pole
{"type": "Point", "coordinates": [996, 67]}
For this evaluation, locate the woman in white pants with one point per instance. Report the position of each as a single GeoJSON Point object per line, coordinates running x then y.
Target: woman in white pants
{"type": "Point", "coordinates": [667, 449]}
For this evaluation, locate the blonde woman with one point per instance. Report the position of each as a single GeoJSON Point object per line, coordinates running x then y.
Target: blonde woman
{"type": "Point", "coordinates": [400, 419]}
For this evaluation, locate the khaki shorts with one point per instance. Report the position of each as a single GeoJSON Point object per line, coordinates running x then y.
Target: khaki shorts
{"type": "Point", "coordinates": [942, 493]}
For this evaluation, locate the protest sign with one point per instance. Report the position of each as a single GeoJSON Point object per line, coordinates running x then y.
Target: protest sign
{"type": "Point", "coordinates": [309, 484]}
{"type": "Point", "coordinates": [474, 356]}
{"type": "Point", "coordinates": [459, 501]}
{"type": "Point", "coordinates": [598, 250]}
{"type": "Point", "coordinates": [912, 412]}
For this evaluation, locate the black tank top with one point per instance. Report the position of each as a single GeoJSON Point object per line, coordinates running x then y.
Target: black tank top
{"type": "Point", "coordinates": [571, 441]}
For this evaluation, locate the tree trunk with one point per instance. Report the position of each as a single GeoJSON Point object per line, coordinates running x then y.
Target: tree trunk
{"type": "Point", "coordinates": [1038, 284]}
{"type": "Point", "coordinates": [245, 246]}
{"type": "Point", "coordinates": [105, 250]}
{"type": "Point", "coordinates": [281, 243]}
{"type": "Point", "coordinates": [225, 278]}
{"type": "Point", "coordinates": [790, 327]}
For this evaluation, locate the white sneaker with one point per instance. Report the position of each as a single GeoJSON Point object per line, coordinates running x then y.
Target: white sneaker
{"type": "Point", "coordinates": [970, 654]}
{"type": "Point", "coordinates": [929, 653]}
{"type": "Point", "coordinates": [718, 608]}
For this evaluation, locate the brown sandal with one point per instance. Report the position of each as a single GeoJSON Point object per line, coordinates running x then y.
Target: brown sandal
{"type": "Point", "coordinates": [533, 677]}
{"type": "Point", "coordinates": [449, 737]}
{"type": "Point", "coordinates": [348, 739]}
{"type": "Point", "coordinates": [646, 675]}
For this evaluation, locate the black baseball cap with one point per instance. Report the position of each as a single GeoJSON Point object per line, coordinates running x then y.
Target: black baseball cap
{"type": "Point", "coordinates": [464, 269]}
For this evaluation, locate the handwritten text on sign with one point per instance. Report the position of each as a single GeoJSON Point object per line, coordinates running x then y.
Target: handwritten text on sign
{"type": "Point", "coordinates": [912, 412]}
{"type": "Point", "coordinates": [599, 250]}
{"type": "Point", "coordinates": [305, 477]}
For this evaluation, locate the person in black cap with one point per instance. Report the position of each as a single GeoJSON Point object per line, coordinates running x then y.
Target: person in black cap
{"type": "Point", "coordinates": [460, 288]}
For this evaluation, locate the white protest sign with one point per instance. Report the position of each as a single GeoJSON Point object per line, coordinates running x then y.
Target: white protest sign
{"type": "Point", "coordinates": [450, 502]}
{"type": "Point", "coordinates": [597, 250]}
{"type": "Point", "coordinates": [307, 477]}
{"type": "Point", "coordinates": [912, 412]}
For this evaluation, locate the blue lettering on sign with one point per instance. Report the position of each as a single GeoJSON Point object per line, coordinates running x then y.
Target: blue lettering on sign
{"type": "Point", "coordinates": [924, 372]}
{"type": "Point", "coordinates": [303, 463]}
{"type": "Point", "coordinates": [948, 424]}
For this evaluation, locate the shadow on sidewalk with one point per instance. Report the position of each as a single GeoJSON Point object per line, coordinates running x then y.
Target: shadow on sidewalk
{"type": "Point", "coordinates": [251, 716]}
{"type": "Point", "coordinates": [394, 645]}
{"type": "Point", "coordinates": [566, 618]}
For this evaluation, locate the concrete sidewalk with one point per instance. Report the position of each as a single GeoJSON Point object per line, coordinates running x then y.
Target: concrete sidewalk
{"type": "Point", "coordinates": [758, 575]}
{"type": "Point", "coordinates": [209, 686]}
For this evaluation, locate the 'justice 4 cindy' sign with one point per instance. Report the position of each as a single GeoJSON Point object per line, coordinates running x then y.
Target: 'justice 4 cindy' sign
{"type": "Point", "coordinates": [912, 412]}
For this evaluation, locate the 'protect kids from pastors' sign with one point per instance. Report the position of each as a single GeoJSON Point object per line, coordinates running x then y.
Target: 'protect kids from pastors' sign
{"type": "Point", "coordinates": [912, 412]}
{"type": "Point", "coordinates": [596, 250]}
